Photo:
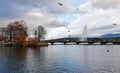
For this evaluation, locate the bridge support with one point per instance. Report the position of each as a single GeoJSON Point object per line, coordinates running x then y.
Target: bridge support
{"type": "Point", "coordinates": [90, 43]}
{"type": "Point", "coordinates": [64, 43]}
{"type": "Point", "coordinates": [103, 43]}
{"type": "Point", "coordinates": [116, 42]}
{"type": "Point", "coordinates": [77, 43]}
{"type": "Point", "coordinates": [52, 43]}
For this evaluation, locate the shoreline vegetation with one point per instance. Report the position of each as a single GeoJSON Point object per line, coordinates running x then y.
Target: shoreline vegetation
{"type": "Point", "coordinates": [15, 34]}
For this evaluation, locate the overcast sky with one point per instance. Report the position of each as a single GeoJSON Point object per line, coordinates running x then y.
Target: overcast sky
{"type": "Point", "coordinates": [57, 16]}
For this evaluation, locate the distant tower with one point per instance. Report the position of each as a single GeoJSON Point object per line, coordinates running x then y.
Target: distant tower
{"type": "Point", "coordinates": [84, 38]}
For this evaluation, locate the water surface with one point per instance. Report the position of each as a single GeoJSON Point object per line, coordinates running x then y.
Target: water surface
{"type": "Point", "coordinates": [61, 59]}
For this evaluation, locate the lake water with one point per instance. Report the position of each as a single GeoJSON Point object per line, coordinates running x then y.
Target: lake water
{"type": "Point", "coordinates": [61, 59]}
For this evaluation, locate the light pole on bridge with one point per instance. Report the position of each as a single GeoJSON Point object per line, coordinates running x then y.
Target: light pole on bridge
{"type": "Point", "coordinates": [68, 31]}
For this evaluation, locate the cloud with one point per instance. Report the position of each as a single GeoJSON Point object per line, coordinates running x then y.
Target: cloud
{"type": "Point", "coordinates": [106, 3]}
{"type": "Point", "coordinates": [17, 8]}
{"type": "Point", "coordinates": [34, 12]}
{"type": "Point", "coordinates": [55, 23]}
{"type": "Point", "coordinates": [105, 27]}
{"type": "Point", "coordinates": [99, 15]}
{"type": "Point", "coordinates": [49, 5]}
{"type": "Point", "coordinates": [98, 20]}
{"type": "Point", "coordinates": [78, 11]}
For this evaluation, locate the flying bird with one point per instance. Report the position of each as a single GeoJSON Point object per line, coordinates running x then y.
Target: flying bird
{"type": "Point", "coordinates": [114, 24]}
{"type": "Point", "coordinates": [60, 4]}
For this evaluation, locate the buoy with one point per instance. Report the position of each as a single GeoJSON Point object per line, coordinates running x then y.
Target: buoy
{"type": "Point", "coordinates": [107, 50]}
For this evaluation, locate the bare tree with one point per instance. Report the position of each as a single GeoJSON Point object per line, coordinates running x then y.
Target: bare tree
{"type": "Point", "coordinates": [41, 32]}
{"type": "Point", "coordinates": [16, 28]}
{"type": "Point", "coordinates": [2, 31]}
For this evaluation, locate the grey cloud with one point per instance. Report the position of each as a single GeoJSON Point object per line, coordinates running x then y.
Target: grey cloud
{"type": "Point", "coordinates": [106, 3]}
{"type": "Point", "coordinates": [55, 23]}
{"type": "Point", "coordinates": [17, 8]}
{"type": "Point", "coordinates": [117, 30]}
{"type": "Point", "coordinates": [50, 6]}
{"type": "Point", "coordinates": [103, 30]}
{"type": "Point", "coordinates": [106, 27]}
{"type": "Point", "coordinates": [78, 11]}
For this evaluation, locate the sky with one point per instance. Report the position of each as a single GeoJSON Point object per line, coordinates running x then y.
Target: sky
{"type": "Point", "coordinates": [59, 16]}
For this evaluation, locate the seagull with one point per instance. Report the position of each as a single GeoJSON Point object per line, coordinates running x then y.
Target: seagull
{"type": "Point", "coordinates": [60, 4]}
{"type": "Point", "coordinates": [114, 24]}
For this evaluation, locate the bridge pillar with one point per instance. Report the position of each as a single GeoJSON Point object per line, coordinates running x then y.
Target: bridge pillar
{"type": "Point", "coordinates": [52, 43]}
{"type": "Point", "coordinates": [77, 43]}
{"type": "Point", "coordinates": [90, 42]}
{"type": "Point", "coordinates": [103, 43]}
{"type": "Point", "coordinates": [64, 43]}
{"type": "Point", "coordinates": [116, 42]}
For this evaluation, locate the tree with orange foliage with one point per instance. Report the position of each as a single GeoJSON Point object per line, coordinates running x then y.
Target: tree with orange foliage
{"type": "Point", "coordinates": [20, 40]}
{"type": "Point", "coordinates": [2, 38]}
{"type": "Point", "coordinates": [17, 32]}
{"type": "Point", "coordinates": [16, 28]}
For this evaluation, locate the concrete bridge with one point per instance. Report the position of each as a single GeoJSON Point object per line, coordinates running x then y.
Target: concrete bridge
{"type": "Point", "coordinates": [90, 41]}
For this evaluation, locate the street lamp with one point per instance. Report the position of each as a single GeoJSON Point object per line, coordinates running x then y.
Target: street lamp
{"type": "Point", "coordinates": [68, 31]}
{"type": "Point", "coordinates": [69, 34]}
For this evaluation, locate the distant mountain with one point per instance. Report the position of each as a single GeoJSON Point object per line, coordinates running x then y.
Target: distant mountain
{"type": "Point", "coordinates": [110, 36]}
{"type": "Point", "coordinates": [102, 36]}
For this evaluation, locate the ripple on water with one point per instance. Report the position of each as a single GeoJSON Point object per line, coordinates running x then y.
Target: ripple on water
{"type": "Point", "coordinates": [56, 70]}
{"type": "Point", "coordinates": [98, 71]}
{"type": "Point", "coordinates": [61, 59]}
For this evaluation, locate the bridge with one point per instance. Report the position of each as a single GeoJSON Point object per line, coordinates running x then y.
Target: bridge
{"type": "Point", "coordinates": [90, 41]}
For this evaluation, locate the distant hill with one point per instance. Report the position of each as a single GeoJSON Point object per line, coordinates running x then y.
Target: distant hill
{"type": "Point", "coordinates": [110, 36]}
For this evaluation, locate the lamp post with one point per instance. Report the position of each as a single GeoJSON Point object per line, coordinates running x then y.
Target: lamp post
{"type": "Point", "coordinates": [69, 34]}
{"type": "Point", "coordinates": [68, 31]}
{"type": "Point", "coordinates": [35, 34]}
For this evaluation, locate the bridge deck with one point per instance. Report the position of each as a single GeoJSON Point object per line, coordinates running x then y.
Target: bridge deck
{"type": "Point", "coordinates": [79, 42]}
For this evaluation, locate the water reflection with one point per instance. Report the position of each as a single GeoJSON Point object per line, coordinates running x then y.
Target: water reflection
{"type": "Point", "coordinates": [61, 59]}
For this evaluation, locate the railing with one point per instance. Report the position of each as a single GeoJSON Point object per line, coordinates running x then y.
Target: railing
{"type": "Point", "coordinates": [89, 41]}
